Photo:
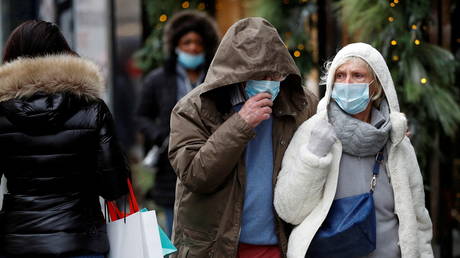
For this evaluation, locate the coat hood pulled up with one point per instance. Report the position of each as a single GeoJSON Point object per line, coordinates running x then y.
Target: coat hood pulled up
{"type": "Point", "coordinates": [250, 50]}
{"type": "Point", "coordinates": [380, 68]}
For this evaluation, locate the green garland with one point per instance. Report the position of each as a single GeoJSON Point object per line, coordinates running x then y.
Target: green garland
{"type": "Point", "coordinates": [151, 55]}
{"type": "Point", "coordinates": [424, 74]}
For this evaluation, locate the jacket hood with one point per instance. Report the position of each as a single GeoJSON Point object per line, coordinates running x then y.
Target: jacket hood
{"type": "Point", "coordinates": [40, 112]}
{"type": "Point", "coordinates": [249, 50]}
{"type": "Point", "coordinates": [380, 68]}
{"type": "Point", "coordinates": [375, 61]}
{"type": "Point", "coordinates": [24, 77]}
{"type": "Point", "coordinates": [39, 94]}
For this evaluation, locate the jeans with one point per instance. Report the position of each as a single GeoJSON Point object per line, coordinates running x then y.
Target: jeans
{"type": "Point", "coordinates": [169, 213]}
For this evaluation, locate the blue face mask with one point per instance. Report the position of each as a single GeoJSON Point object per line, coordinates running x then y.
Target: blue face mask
{"type": "Point", "coordinates": [189, 61]}
{"type": "Point", "coordinates": [352, 98]}
{"type": "Point", "coordinates": [254, 87]}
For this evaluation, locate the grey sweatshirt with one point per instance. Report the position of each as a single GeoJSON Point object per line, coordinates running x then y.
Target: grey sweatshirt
{"type": "Point", "coordinates": [355, 175]}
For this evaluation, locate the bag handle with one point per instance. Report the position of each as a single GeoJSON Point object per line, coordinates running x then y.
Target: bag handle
{"type": "Point", "coordinates": [115, 213]}
{"type": "Point", "coordinates": [375, 171]}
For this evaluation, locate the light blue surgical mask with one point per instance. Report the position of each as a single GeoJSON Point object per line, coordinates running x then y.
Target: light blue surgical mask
{"type": "Point", "coordinates": [189, 61]}
{"type": "Point", "coordinates": [352, 98]}
{"type": "Point", "coordinates": [254, 87]}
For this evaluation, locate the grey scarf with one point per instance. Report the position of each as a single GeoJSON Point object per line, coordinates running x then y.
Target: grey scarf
{"type": "Point", "coordinates": [360, 138]}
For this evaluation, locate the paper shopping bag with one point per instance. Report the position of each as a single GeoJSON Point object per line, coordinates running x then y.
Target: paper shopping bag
{"type": "Point", "coordinates": [138, 237]}
{"type": "Point", "coordinates": [151, 235]}
{"type": "Point", "coordinates": [134, 234]}
{"type": "Point", "coordinates": [125, 237]}
{"type": "Point", "coordinates": [166, 244]}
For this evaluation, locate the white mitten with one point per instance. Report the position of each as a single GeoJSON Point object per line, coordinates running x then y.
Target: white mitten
{"type": "Point", "coordinates": [322, 138]}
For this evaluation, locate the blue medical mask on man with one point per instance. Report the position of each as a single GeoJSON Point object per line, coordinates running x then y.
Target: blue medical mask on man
{"type": "Point", "coordinates": [254, 87]}
{"type": "Point", "coordinates": [352, 98]}
{"type": "Point", "coordinates": [189, 61]}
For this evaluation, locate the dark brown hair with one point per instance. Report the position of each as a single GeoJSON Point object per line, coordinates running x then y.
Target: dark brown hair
{"type": "Point", "coordinates": [184, 22]}
{"type": "Point", "coordinates": [35, 38]}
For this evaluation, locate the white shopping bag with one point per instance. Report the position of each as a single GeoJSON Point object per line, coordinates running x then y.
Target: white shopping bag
{"type": "Point", "coordinates": [137, 238]}
{"type": "Point", "coordinates": [151, 242]}
{"type": "Point", "coordinates": [125, 239]}
{"type": "Point", "coordinates": [133, 236]}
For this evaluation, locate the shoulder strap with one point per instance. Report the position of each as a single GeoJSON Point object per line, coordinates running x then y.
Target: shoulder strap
{"type": "Point", "coordinates": [376, 170]}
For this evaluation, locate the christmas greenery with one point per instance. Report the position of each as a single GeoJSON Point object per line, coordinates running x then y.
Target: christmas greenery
{"type": "Point", "coordinates": [424, 74]}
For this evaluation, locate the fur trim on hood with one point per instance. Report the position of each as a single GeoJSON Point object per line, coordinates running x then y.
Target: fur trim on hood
{"type": "Point", "coordinates": [24, 77]}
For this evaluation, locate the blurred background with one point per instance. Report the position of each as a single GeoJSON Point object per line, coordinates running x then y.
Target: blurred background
{"type": "Point", "coordinates": [420, 40]}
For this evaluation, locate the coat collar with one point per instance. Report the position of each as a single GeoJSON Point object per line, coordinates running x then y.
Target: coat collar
{"type": "Point", "coordinates": [24, 77]}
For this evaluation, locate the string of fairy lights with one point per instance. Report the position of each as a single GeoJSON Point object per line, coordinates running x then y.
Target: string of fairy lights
{"type": "Point", "coordinates": [297, 51]}
{"type": "Point", "coordinates": [394, 42]}
{"type": "Point", "coordinates": [184, 5]}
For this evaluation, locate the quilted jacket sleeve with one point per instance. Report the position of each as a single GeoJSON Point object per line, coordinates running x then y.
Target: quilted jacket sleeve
{"type": "Point", "coordinates": [425, 227]}
{"type": "Point", "coordinates": [301, 181]}
{"type": "Point", "coordinates": [113, 168]}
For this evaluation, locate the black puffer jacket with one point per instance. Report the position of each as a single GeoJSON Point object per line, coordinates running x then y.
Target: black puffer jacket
{"type": "Point", "coordinates": [59, 153]}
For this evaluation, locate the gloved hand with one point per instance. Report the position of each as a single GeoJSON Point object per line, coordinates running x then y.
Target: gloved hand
{"type": "Point", "coordinates": [322, 138]}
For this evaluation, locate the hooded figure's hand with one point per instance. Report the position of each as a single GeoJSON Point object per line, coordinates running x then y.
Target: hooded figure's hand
{"type": "Point", "coordinates": [257, 109]}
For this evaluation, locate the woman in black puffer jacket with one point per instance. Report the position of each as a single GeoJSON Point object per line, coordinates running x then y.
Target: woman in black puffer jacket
{"type": "Point", "coordinates": [58, 148]}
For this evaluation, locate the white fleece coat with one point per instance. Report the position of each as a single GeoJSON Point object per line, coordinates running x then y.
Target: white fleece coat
{"type": "Point", "coordinates": [307, 183]}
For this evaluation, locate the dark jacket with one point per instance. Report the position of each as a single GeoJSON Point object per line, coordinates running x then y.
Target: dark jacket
{"type": "Point", "coordinates": [208, 139]}
{"type": "Point", "coordinates": [159, 95]}
{"type": "Point", "coordinates": [59, 153]}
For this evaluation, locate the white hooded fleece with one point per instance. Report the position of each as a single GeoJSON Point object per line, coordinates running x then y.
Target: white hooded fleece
{"type": "Point", "coordinates": [307, 183]}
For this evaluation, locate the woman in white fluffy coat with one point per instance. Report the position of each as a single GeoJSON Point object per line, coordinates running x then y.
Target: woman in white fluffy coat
{"type": "Point", "coordinates": [309, 179]}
